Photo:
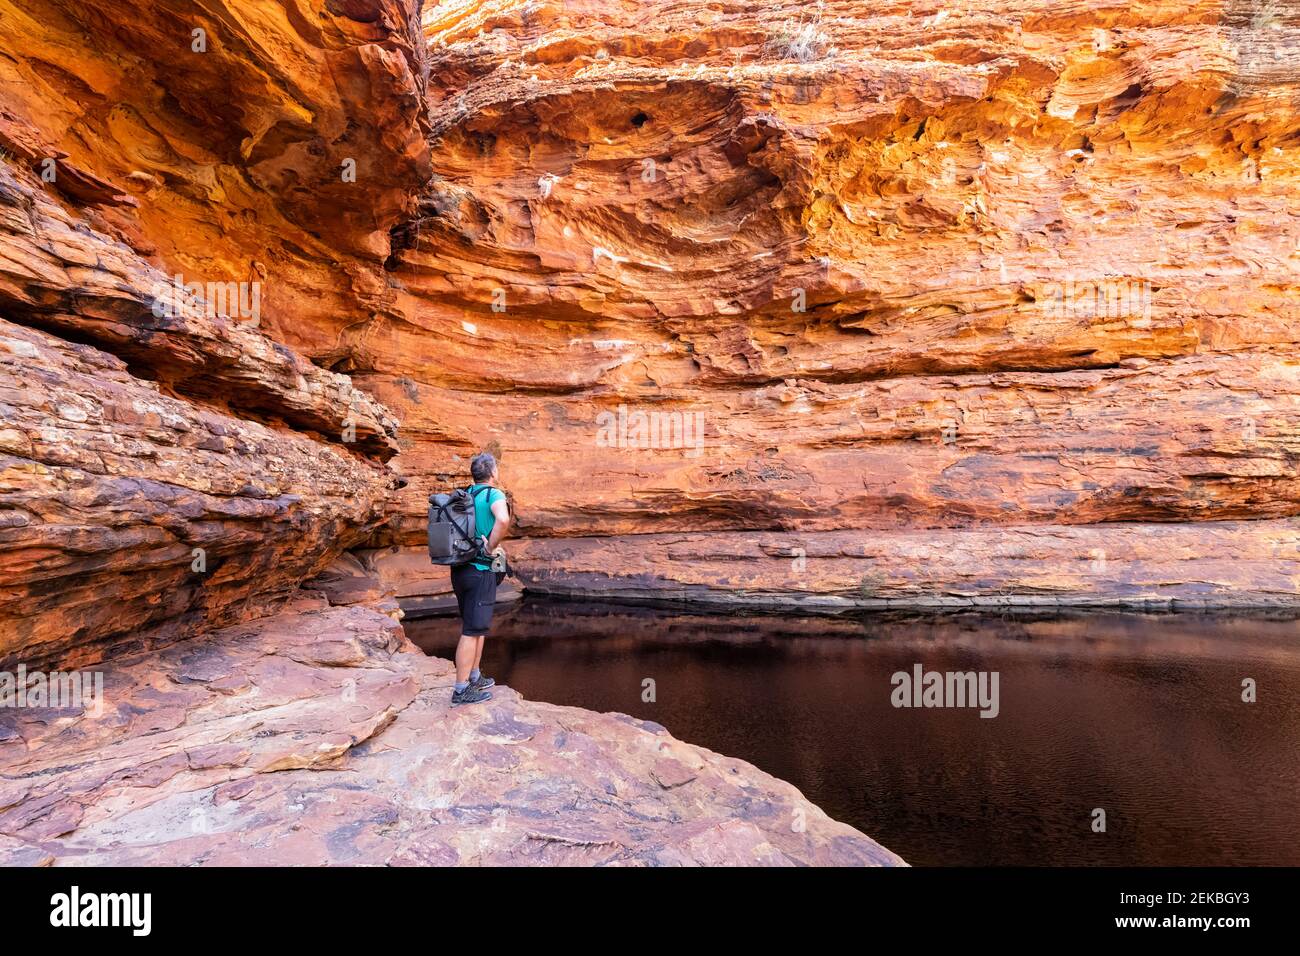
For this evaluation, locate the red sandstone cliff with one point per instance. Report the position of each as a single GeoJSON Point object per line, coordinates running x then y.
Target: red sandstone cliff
{"type": "Point", "coordinates": [170, 462]}
{"type": "Point", "coordinates": [1014, 282]}
{"type": "Point", "coordinates": [993, 303]}
{"type": "Point", "coordinates": [837, 304]}
{"type": "Point", "coordinates": [203, 216]}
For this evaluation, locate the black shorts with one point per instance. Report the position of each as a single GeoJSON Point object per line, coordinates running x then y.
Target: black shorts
{"type": "Point", "coordinates": [476, 595]}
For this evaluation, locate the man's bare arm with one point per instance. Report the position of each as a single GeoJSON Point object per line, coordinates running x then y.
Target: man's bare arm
{"type": "Point", "coordinates": [499, 530]}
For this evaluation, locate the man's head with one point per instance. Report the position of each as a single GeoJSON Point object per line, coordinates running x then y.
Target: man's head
{"type": "Point", "coordinates": [483, 468]}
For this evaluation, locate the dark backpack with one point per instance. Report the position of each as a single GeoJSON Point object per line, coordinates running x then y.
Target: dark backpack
{"type": "Point", "coordinates": [453, 537]}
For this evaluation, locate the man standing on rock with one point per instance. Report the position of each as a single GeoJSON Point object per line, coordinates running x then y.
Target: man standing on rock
{"type": "Point", "coordinates": [475, 583]}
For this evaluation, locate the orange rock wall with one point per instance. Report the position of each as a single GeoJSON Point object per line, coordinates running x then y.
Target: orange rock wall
{"type": "Point", "coordinates": [877, 280]}
{"type": "Point", "coordinates": [906, 267]}
{"type": "Point", "coordinates": [170, 463]}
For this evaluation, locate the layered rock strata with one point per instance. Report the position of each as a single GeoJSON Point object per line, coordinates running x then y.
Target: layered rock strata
{"type": "Point", "coordinates": [176, 198]}
{"type": "Point", "coordinates": [203, 215]}
{"type": "Point", "coordinates": [128, 515]}
{"type": "Point", "coordinates": [768, 268]}
{"type": "Point", "coordinates": [837, 305]}
{"type": "Point", "coordinates": [1007, 268]}
{"type": "Point", "coordinates": [1224, 564]}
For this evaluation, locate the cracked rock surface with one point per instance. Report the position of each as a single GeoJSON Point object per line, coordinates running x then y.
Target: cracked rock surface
{"type": "Point", "coordinates": [322, 736]}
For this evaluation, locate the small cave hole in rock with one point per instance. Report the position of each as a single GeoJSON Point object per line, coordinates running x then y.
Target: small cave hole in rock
{"type": "Point", "coordinates": [639, 120]}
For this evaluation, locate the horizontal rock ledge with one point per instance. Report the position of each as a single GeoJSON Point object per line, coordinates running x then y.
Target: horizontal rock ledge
{"type": "Point", "coordinates": [130, 517]}
{"type": "Point", "coordinates": [1201, 564]}
{"type": "Point", "coordinates": [58, 273]}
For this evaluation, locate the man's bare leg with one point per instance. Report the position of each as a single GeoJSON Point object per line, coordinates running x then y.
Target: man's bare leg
{"type": "Point", "coordinates": [478, 653]}
{"type": "Point", "coordinates": [468, 650]}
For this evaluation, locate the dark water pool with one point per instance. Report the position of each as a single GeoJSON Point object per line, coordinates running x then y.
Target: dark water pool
{"type": "Point", "coordinates": [1139, 715]}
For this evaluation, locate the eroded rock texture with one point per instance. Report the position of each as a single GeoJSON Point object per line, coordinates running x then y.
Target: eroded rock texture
{"type": "Point", "coordinates": [223, 154]}
{"type": "Point", "coordinates": [322, 736]}
{"type": "Point", "coordinates": [842, 304]}
{"type": "Point", "coordinates": [220, 235]}
{"type": "Point", "coordinates": [128, 515]}
{"type": "Point", "coordinates": [886, 270]}
{"type": "Point", "coordinates": [1045, 254]}
{"type": "Point", "coordinates": [182, 187]}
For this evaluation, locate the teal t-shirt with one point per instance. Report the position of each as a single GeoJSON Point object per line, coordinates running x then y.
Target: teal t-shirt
{"type": "Point", "coordinates": [484, 519]}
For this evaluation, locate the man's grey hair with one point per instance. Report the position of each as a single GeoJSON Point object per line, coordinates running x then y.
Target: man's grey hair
{"type": "Point", "coordinates": [482, 467]}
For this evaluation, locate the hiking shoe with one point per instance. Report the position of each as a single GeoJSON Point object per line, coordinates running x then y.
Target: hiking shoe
{"type": "Point", "coordinates": [483, 683]}
{"type": "Point", "coordinates": [470, 695]}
